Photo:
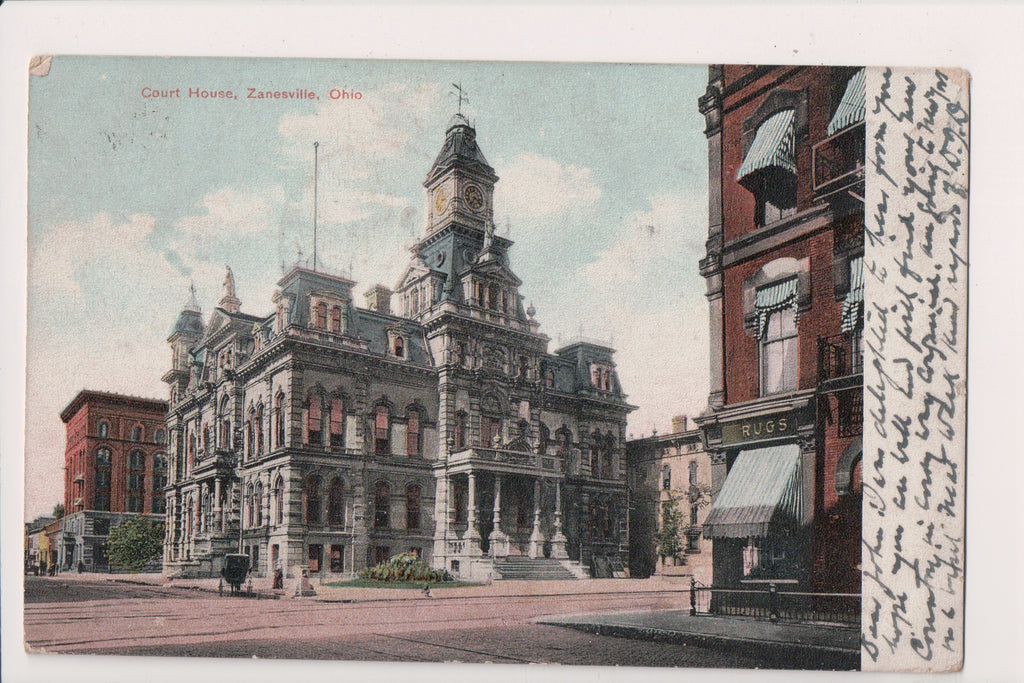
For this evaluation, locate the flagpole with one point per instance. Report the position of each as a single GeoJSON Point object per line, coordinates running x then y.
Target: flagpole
{"type": "Point", "coordinates": [316, 170]}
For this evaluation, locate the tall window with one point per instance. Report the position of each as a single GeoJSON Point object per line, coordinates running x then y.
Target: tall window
{"type": "Point", "coordinates": [159, 504]}
{"type": "Point", "coordinates": [778, 350]}
{"type": "Point", "coordinates": [412, 434]}
{"type": "Point", "coordinates": [101, 500]}
{"type": "Point", "coordinates": [225, 423]}
{"type": "Point", "coordinates": [693, 473]}
{"type": "Point", "coordinates": [412, 507]}
{"type": "Point", "coordinates": [543, 439]}
{"type": "Point", "coordinates": [250, 504]}
{"type": "Point", "coordinates": [399, 347]}
{"type": "Point", "coordinates": [311, 499]}
{"type": "Point", "coordinates": [159, 437]}
{"type": "Point", "coordinates": [250, 435]}
{"type": "Point", "coordinates": [321, 315]}
{"type": "Point", "coordinates": [258, 429]}
{"type": "Point", "coordinates": [136, 480]}
{"type": "Point", "coordinates": [336, 320]}
{"type": "Point", "coordinates": [279, 420]}
{"type": "Point", "coordinates": [337, 423]}
{"type": "Point", "coordinates": [490, 430]}
{"type": "Point", "coordinates": [279, 501]}
{"type": "Point", "coordinates": [336, 503]}
{"type": "Point", "coordinates": [461, 431]}
{"type": "Point", "coordinates": [136, 435]}
{"type": "Point", "coordinates": [259, 503]}
{"type": "Point", "coordinates": [381, 431]}
{"type": "Point", "coordinates": [666, 477]}
{"type": "Point", "coordinates": [314, 423]}
{"type": "Point", "coordinates": [381, 505]}
{"type": "Point", "coordinates": [103, 429]}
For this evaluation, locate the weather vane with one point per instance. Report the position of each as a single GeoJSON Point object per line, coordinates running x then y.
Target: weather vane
{"type": "Point", "coordinates": [461, 94]}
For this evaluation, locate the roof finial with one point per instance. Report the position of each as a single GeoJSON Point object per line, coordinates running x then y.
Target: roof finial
{"type": "Point", "coordinates": [229, 301]}
{"type": "Point", "coordinates": [461, 94]}
{"type": "Point", "coordinates": [193, 302]}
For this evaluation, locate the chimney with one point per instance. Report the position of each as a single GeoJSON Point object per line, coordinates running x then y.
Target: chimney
{"type": "Point", "coordinates": [679, 424]}
{"type": "Point", "coordinates": [378, 299]}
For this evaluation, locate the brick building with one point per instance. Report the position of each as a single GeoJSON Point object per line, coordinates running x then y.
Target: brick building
{"type": "Point", "coordinates": [115, 466]}
{"type": "Point", "coordinates": [431, 420]}
{"type": "Point", "coordinates": [785, 287]}
{"type": "Point", "coordinates": [663, 468]}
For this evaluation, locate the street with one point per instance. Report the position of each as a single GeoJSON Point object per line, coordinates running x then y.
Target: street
{"type": "Point", "coordinates": [99, 616]}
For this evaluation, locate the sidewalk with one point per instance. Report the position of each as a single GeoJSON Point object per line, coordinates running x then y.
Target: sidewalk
{"type": "Point", "coordinates": [815, 646]}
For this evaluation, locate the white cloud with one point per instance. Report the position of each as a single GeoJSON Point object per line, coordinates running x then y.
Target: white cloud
{"type": "Point", "coordinates": [57, 263]}
{"type": "Point", "coordinates": [649, 244]}
{"type": "Point", "coordinates": [533, 185]}
{"type": "Point", "coordinates": [228, 212]}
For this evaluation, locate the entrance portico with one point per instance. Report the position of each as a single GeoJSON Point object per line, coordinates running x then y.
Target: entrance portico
{"type": "Point", "coordinates": [498, 503]}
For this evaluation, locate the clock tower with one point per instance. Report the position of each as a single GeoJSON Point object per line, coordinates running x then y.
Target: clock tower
{"type": "Point", "coordinates": [460, 185]}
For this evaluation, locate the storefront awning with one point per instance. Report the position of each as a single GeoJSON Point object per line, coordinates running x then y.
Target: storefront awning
{"type": "Point", "coordinates": [773, 146]}
{"type": "Point", "coordinates": [851, 107]}
{"type": "Point", "coordinates": [854, 301]}
{"type": "Point", "coordinates": [762, 489]}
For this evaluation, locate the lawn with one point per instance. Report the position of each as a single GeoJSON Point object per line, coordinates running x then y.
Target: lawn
{"type": "Point", "coordinates": [418, 585]}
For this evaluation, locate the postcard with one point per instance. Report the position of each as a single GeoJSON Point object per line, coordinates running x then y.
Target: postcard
{"type": "Point", "coordinates": [459, 361]}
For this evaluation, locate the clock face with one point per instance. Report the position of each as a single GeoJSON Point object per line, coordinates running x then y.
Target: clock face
{"type": "Point", "coordinates": [440, 200]}
{"type": "Point", "coordinates": [474, 197]}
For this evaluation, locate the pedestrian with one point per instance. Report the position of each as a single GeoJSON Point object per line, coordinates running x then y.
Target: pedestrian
{"type": "Point", "coordinates": [278, 578]}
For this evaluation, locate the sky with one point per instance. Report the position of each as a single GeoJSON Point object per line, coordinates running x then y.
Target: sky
{"type": "Point", "coordinates": [603, 189]}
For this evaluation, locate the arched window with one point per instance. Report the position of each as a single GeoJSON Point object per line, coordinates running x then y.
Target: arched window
{"type": "Point", "coordinates": [279, 501]}
{"type": "Point", "coordinates": [136, 434]}
{"type": "Point", "coordinates": [258, 429]}
{"type": "Point", "coordinates": [337, 423]}
{"type": "Point", "coordinates": [311, 500]}
{"type": "Point", "coordinates": [103, 429]}
{"type": "Point", "coordinates": [543, 439]}
{"type": "Point", "coordinates": [279, 421]}
{"type": "Point", "coordinates": [666, 477]}
{"type": "Point", "coordinates": [101, 499]}
{"type": "Point", "coordinates": [250, 504]}
{"type": "Point", "coordinates": [381, 505]}
{"type": "Point", "coordinates": [206, 438]}
{"type": "Point", "coordinates": [595, 455]}
{"type": "Point", "coordinates": [336, 503]}
{"type": "Point", "coordinates": [259, 503]}
{"type": "Point", "coordinates": [250, 435]}
{"type": "Point", "coordinates": [563, 439]}
{"type": "Point", "coordinates": [192, 451]}
{"type": "Point", "coordinates": [399, 347]}
{"type": "Point", "coordinates": [549, 378]}
{"type": "Point", "coordinates": [693, 473]}
{"type": "Point", "coordinates": [314, 423]}
{"type": "Point", "coordinates": [412, 434]}
{"type": "Point", "coordinates": [606, 457]}
{"type": "Point", "coordinates": [137, 461]}
{"type": "Point", "coordinates": [103, 457]}
{"type": "Point", "coordinates": [381, 431]}
{"type": "Point", "coordinates": [225, 423]}
{"type": "Point", "coordinates": [159, 437]}
{"type": "Point", "coordinates": [412, 506]}
{"type": "Point", "coordinates": [136, 480]}
{"type": "Point", "coordinates": [336, 320]}
{"type": "Point", "coordinates": [492, 296]}
{"type": "Point", "coordinates": [321, 315]}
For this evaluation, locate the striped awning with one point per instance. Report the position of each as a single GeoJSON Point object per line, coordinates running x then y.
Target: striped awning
{"type": "Point", "coordinates": [851, 107]}
{"type": "Point", "coordinates": [773, 146]}
{"type": "Point", "coordinates": [853, 304]}
{"type": "Point", "coordinates": [762, 491]}
{"type": "Point", "coordinates": [771, 298]}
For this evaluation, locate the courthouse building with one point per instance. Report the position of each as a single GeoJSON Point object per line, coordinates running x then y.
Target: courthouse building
{"type": "Point", "coordinates": [785, 288]}
{"type": "Point", "coordinates": [432, 419]}
{"type": "Point", "coordinates": [115, 468]}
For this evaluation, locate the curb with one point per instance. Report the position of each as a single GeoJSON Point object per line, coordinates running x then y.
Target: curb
{"type": "Point", "coordinates": [780, 654]}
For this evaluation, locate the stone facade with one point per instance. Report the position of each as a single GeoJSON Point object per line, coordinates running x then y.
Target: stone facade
{"type": "Point", "coordinates": [334, 436]}
{"type": "Point", "coordinates": [662, 468]}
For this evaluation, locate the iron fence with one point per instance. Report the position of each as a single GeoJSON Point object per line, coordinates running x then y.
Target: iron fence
{"type": "Point", "coordinates": [775, 605]}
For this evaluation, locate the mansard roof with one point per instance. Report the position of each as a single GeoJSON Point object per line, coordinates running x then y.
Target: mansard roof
{"type": "Point", "coordinates": [460, 148]}
{"type": "Point", "coordinates": [299, 283]}
{"type": "Point", "coordinates": [373, 327]}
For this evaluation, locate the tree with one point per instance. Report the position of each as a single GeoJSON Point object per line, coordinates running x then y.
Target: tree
{"type": "Point", "coordinates": [58, 510]}
{"type": "Point", "coordinates": [133, 543]}
{"type": "Point", "coordinates": [669, 544]}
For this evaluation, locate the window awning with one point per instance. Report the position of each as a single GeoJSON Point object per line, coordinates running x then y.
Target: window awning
{"type": "Point", "coordinates": [851, 107]}
{"type": "Point", "coordinates": [771, 298]}
{"type": "Point", "coordinates": [773, 146]}
{"type": "Point", "coordinates": [854, 301]}
{"type": "Point", "coordinates": [762, 490]}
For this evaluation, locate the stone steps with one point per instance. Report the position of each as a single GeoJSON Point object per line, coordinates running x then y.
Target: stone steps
{"type": "Point", "coordinates": [532, 569]}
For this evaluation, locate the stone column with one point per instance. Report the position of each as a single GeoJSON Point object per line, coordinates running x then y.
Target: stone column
{"type": "Point", "coordinates": [498, 540]}
{"type": "Point", "coordinates": [558, 541]}
{"type": "Point", "coordinates": [536, 538]}
{"type": "Point", "coordinates": [442, 521]}
{"type": "Point", "coordinates": [472, 535]}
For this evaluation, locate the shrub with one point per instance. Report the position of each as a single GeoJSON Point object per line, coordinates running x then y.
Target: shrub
{"type": "Point", "coordinates": [404, 567]}
{"type": "Point", "coordinates": [133, 543]}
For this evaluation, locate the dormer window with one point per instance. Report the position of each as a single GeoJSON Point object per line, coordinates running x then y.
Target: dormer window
{"type": "Point", "coordinates": [398, 347]}
{"type": "Point", "coordinates": [336, 319]}
{"type": "Point", "coordinates": [321, 316]}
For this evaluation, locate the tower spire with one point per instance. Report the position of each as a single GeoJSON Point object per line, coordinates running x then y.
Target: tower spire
{"type": "Point", "coordinates": [461, 94]}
